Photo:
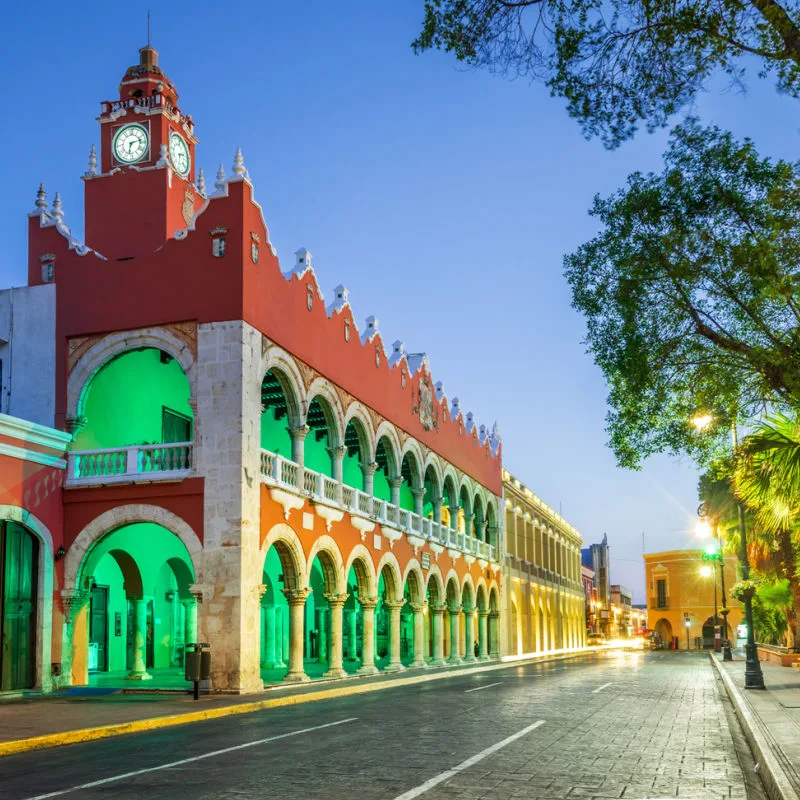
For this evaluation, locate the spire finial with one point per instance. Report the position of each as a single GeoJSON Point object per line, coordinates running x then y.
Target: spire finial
{"type": "Point", "coordinates": [220, 183]}
{"type": "Point", "coordinates": [148, 27]}
{"type": "Point", "coordinates": [57, 211]}
{"type": "Point", "coordinates": [238, 164]}
{"type": "Point", "coordinates": [92, 161]}
{"type": "Point", "coordinates": [41, 199]}
{"type": "Point", "coordinates": [201, 181]}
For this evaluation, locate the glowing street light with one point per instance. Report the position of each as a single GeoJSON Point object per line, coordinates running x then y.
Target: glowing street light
{"type": "Point", "coordinates": [702, 421]}
{"type": "Point", "coordinates": [706, 572]}
{"type": "Point", "coordinates": [702, 530]}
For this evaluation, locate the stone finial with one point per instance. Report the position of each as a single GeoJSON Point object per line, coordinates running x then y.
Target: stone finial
{"type": "Point", "coordinates": [341, 298]}
{"type": "Point", "coordinates": [398, 352]}
{"type": "Point", "coordinates": [201, 182]}
{"type": "Point", "coordinates": [455, 409]}
{"type": "Point", "coordinates": [92, 170]}
{"type": "Point", "coordinates": [238, 164]}
{"type": "Point", "coordinates": [495, 438]}
{"type": "Point", "coordinates": [470, 423]}
{"type": "Point", "coordinates": [41, 199]}
{"type": "Point", "coordinates": [221, 181]}
{"type": "Point", "coordinates": [57, 212]}
{"type": "Point", "coordinates": [482, 434]}
{"type": "Point", "coordinates": [439, 387]}
{"type": "Point", "coordinates": [302, 259]}
{"type": "Point", "coordinates": [416, 361]}
{"type": "Point", "coordinates": [371, 330]}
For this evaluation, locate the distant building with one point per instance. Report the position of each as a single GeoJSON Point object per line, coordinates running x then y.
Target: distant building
{"type": "Point", "coordinates": [597, 556]}
{"type": "Point", "coordinates": [590, 598]}
{"type": "Point", "coordinates": [680, 599]}
{"type": "Point", "coordinates": [621, 604]}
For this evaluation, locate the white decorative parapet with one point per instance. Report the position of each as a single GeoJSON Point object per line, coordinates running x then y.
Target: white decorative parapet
{"type": "Point", "coordinates": [278, 471]}
{"type": "Point", "coordinates": [137, 462]}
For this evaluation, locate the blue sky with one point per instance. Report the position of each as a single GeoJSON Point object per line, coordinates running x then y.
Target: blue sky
{"type": "Point", "coordinates": [443, 198]}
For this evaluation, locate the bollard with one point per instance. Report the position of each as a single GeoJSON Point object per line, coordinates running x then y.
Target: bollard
{"type": "Point", "coordinates": [197, 664]}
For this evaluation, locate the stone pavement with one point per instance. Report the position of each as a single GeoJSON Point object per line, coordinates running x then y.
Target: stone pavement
{"type": "Point", "coordinates": [774, 717]}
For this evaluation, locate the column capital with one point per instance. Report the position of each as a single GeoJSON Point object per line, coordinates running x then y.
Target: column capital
{"type": "Point", "coordinates": [73, 602]}
{"type": "Point", "coordinates": [336, 452]}
{"type": "Point", "coordinates": [395, 483]}
{"type": "Point", "coordinates": [75, 424]}
{"type": "Point", "coordinates": [336, 600]}
{"type": "Point", "coordinates": [467, 608]}
{"type": "Point", "coordinates": [369, 469]}
{"type": "Point", "coordinates": [437, 609]}
{"type": "Point", "coordinates": [437, 500]}
{"type": "Point", "coordinates": [484, 612]}
{"type": "Point", "coordinates": [296, 597]}
{"type": "Point", "coordinates": [420, 492]}
{"type": "Point", "coordinates": [417, 608]}
{"type": "Point", "coordinates": [393, 605]}
{"type": "Point", "coordinates": [368, 602]}
{"type": "Point", "coordinates": [299, 432]}
{"type": "Point", "coordinates": [494, 614]}
{"type": "Point", "coordinates": [454, 510]}
{"type": "Point", "coordinates": [454, 609]}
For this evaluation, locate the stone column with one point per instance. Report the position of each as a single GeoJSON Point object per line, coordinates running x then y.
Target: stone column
{"type": "Point", "coordinates": [280, 648]}
{"type": "Point", "coordinates": [455, 615]}
{"type": "Point", "coordinates": [336, 604]}
{"type": "Point", "coordinates": [394, 490]}
{"type": "Point", "coordinates": [419, 496]}
{"type": "Point", "coordinates": [298, 436]}
{"type": "Point", "coordinates": [469, 634]}
{"type": "Point", "coordinates": [491, 536]}
{"type": "Point", "coordinates": [437, 508]}
{"type": "Point", "coordinates": [419, 634]}
{"type": "Point", "coordinates": [190, 619]}
{"type": "Point", "coordinates": [351, 615]}
{"type": "Point", "coordinates": [468, 518]}
{"type": "Point", "coordinates": [368, 648]}
{"type": "Point", "coordinates": [73, 604]}
{"type": "Point", "coordinates": [337, 459]}
{"type": "Point", "coordinates": [394, 606]}
{"type": "Point", "coordinates": [483, 635]}
{"type": "Point", "coordinates": [493, 651]}
{"type": "Point", "coordinates": [368, 471]}
{"type": "Point", "coordinates": [139, 671]}
{"type": "Point", "coordinates": [481, 530]}
{"type": "Point", "coordinates": [269, 637]}
{"type": "Point", "coordinates": [437, 625]}
{"type": "Point", "coordinates": [297, 607]}
{"type": "Point", "coordinates": [454, 516]}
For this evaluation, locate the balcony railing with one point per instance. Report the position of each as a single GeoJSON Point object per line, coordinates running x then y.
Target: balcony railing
{"type": "Point", "coordinates": [121, 464]}
{"type": "Point", "coordinates": [277, 471]}
{"type": "Point", "coordinates": [658, 602]}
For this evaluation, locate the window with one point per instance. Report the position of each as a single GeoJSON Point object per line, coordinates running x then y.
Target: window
{"type": "Point", "coordinates": [661, 593]}
{"type": "Point", "coordinates": [175, 427]}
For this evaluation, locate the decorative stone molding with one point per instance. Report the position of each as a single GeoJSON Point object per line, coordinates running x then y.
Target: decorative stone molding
{"type": "Point", "coordinates": [454, 554]}
{"type": "Point", "coordinates": [436, 549]}
{"type": "Point", "coordinates": [482, 563]}
{"type": "Point", "coordinates": [72, 602]}
{"type": "Point", "coordinates": [469, 560]}
{"type": "Point", "coordinates": [330, 515]}
{"type": "Point", "coordinates": [415, 541]}
{"type": "Point", "coordinates": [368, 602]}
{"type": "Point", "coordinates": [391, 534]}
{"type": "Point", "coordinates": [296, 597]}
{"type": "Point", "coordinates": [363, 526]}
{"type": "Point", "coordinates": [289, 502]}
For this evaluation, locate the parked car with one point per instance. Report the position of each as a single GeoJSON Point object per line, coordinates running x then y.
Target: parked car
{"type": "Point", "coordinates": [594, 639]}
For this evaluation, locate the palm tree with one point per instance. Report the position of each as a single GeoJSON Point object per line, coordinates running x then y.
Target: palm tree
{"type": "Point", "coordinates": [767, 480]}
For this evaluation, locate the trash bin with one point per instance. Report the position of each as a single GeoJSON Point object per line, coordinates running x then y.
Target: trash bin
{"type": "Point", "coordinates": [197, 664]}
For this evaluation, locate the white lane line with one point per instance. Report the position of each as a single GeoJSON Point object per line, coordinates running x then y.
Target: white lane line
{"type": "Point", "coordinates": [445, 776]}
{"type": "Point", "coordinates": [600, 688]}
{"type": "Point", "coordinates": [171, 764]}
{"type": "Point", "coordinates": [478, 688]}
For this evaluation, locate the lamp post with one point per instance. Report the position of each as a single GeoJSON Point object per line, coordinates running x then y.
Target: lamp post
{"type": "Point", "coordinates": [726, 642]}
{"type": "Point", "coordinates": [687, 623]}
{"type": "Point", "coordinates": [707, 572]}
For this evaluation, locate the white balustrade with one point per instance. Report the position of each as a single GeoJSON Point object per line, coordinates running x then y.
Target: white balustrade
{"type": "Point", "coordinates": [126, 463]}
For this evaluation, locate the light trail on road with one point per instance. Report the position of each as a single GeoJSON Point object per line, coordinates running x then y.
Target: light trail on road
{"type": "Point", "coordinates": [487, 686]}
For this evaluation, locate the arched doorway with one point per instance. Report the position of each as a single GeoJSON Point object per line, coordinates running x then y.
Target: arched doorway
{"type": "Point", "coordinates": [19, 569]}
{"type": "Point", "coordinates": [140, 612]}
{"type": "Point", "coordinates": [664, 630]}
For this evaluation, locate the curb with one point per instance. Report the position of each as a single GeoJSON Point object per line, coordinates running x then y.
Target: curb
{"type": "Point", "coordinates": [15, 746]}
{"type": "Point", "coordinates": [773, 776]}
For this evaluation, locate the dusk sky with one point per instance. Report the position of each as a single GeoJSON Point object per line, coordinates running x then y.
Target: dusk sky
{"type": "Point", "coordinates": [444, 199]}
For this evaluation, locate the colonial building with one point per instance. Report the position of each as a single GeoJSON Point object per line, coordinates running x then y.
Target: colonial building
{"type": "Point", "coordinates": [590, 604]}
{"type": "Point", "coordinates": [544, 600]}
{"type": "Point", "coordinates": [248, 466]}
{"type": "Point", "coordinates": [680, 597]}
{"type": "Point", "coordinates": [598, 558]}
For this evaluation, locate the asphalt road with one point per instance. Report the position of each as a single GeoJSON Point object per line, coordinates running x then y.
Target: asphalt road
{"type": "Point", "coordinates": [624, 725]}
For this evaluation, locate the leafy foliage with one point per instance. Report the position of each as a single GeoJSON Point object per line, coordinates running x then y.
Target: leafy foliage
{"type": "Point", "coordinates": [618, 63]}
{"type": "Point", "coordinates": [690, 293]}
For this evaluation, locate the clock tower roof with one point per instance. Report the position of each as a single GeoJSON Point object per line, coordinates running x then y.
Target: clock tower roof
{"type": "Point", "coordinates": [146, 76]}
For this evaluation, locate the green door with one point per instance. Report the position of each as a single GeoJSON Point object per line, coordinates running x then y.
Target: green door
{"type": "Point", "coordinates": [19, 557]}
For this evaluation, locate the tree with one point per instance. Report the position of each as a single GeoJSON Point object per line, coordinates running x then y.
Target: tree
{"type": "Point", "coordinates": [767, 479]}
{"type": "Point", "coordinates": [690, 293]}
{"type": "Point", "coordinates": [618, 63]}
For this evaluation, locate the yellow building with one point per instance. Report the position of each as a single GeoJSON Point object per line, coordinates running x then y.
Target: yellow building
{"type": "Point", "coordinates": [678, 592]}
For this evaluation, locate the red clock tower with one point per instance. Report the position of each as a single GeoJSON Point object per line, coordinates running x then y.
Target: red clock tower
{"type": "Point", "coordinates": [144, 190]}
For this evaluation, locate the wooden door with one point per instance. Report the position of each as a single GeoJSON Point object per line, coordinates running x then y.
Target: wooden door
{"type": "Point", "coordinates": [98, 625]}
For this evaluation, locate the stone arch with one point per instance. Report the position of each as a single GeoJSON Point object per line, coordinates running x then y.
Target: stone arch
{"type": "Point", "coordinates": [465, 495]}
{"type": "Point", "coordinates": [115, 344]}
{"type": "Point", "coordinates": [387, 432]}
{"type": "Point", "coordinates": [494, 603]}
{"type": "Point", "coordinates": [285, 370]}
{"type": "Point", "coordinates": [450, 483]}
{"type": "Point", "coordinates": [131, 576]}
{"type": "Point", "coordinates": [416, 583]}
{"type": "Point", "coordinates": [453, 588]}
{"type": "Point", "coordinates": [356, 412]}
{"type": "Point", "coordinates": [394, 585]}
{"type": "Point", "coordinates": [44, 589]}
{"type": "Point", "coordinates": [412, 449]}
{"type": "Point", "coordinates": [183, 577]}
{"type": "Point", "coordinates": [117, 518]}
{"type": "Point", "coordinates": [468, 588]}
{"type": "Point", "coordinates": [330, 559]}
{"type": "Point", "coordinates": [321, 389]}
{"type": "Point", "coordinates": [435, 583]}
{"type": "Point", "coordinates": [481, 594]}
{"type": "Point", "coordinates": [360, 560]}
{"type": "Point", "coordinates": [433, 464]}
{"type": "Point", "coordinates": [290, 552]}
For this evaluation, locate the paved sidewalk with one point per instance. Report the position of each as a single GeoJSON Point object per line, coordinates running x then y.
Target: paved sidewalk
{"type": "Point", "coordinates": [771, 723]}
{"type": "Point", "coordinates": [38, 721]}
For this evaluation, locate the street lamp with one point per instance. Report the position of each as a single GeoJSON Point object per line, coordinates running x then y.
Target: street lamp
{"type": "Point", "coordinates": [753, 676]}
{"type": "Point", "coordinates": [687, 623]}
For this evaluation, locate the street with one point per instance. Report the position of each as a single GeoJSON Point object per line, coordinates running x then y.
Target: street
{"type": "Point", "coordinates": [619, 724]}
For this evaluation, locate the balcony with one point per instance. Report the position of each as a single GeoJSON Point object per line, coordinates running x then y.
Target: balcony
{"type": "Point", "coordinates": [277, 471]}
{"type": "Point", "coordinates": [140, 463]}
{"type": "Point", "coordinates": [658, 602]}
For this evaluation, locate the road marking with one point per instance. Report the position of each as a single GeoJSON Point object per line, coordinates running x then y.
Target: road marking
{"type": "Point", "coordinates": [478, 688]}
{"type": "Point", "coordinates": [600, 688]}
{"type": "Point", "coordinates": [171, 764]}
{"type": "Point", "coordinates": [445, 776]}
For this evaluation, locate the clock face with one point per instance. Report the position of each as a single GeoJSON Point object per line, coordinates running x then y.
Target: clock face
{"type": "Point", "coordinates": [130, 143]}
{"type": "Point", "coordinates": [179, 154]}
